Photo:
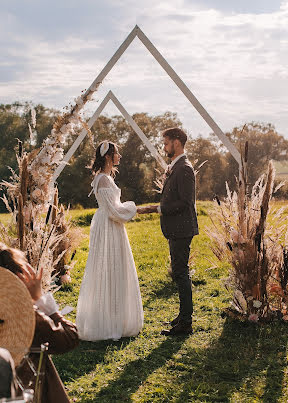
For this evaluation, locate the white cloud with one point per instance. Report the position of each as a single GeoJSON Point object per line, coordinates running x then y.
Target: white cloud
{"type": "Point", "coordinates": [234, 63]}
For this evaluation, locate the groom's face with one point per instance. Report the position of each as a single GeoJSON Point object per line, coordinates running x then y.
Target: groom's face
{"type": "Point", "coordinates": [169, 147]}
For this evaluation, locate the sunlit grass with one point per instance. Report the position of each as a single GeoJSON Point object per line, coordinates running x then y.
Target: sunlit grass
{"type": "Point", "coordinates": [223, 361]}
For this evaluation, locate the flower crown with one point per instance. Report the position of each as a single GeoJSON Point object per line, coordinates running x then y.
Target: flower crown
{"type": "Point", "coordinates": [104, 148]}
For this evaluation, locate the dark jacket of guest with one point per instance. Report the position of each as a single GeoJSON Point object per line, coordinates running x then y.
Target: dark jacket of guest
{"type": "Point", "coordinates": [61, 335]}
{"type": "Point", "coordinates": [178, 213]}
{"type": "Point", "coordinates": [7, 375]}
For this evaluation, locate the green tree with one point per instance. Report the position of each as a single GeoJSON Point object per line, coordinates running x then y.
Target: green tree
{"type": "Point", "coordinates": [14, 119]}
{"type": "Point", "coordinates": [209, 179]}
{"type": "Point", "coordinates": [137, 167]}
{"type": "Point", "coordinates": [264, 144]}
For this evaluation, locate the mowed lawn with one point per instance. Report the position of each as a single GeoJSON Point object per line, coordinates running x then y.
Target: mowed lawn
{"type": "Point", "coordinates": [223, 361]}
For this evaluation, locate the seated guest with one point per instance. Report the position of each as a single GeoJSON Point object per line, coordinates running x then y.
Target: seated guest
{"type": "Point", "coordinates": [7, 374]}
{"type": "Point", "coordinates": [51, 327]}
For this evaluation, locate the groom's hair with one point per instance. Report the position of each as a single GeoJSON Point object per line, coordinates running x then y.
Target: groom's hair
{"type": "Point", "coordinates": [174, 133]}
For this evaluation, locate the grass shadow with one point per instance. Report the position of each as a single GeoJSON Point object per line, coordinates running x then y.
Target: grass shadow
{"type": "Point", "coordinates": [165, 291]}
{"type": "Point", "coordinates": [83, 359]}
{"type": "Point", "coordinates": [242, 358]}
{"type": "Point", "coordinates": [136, 372]}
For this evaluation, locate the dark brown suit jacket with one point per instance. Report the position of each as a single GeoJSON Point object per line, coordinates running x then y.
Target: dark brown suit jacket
{"type": "Point", "coordinates": [178, 212]}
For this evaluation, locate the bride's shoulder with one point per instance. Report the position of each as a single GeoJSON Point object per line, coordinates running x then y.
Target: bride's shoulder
{"type": "Point", "coordinates": [104, 181]}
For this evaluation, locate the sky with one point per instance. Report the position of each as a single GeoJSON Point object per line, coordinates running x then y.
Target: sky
{"type": "Point", "coordinates": [232, 55]}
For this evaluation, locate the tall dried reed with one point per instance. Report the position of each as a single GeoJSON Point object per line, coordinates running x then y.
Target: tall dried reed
{"type": "Point", "coordinates": [253, 245]}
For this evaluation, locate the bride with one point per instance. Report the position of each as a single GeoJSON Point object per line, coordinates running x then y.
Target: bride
{"type": "Point", "coordinates": [109, 304]}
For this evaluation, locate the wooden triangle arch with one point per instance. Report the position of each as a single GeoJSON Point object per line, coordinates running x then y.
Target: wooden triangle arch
{"type": "Point", "coordinates": [172, 74]}
{"type": "Point", "coordinates": [92, 120]}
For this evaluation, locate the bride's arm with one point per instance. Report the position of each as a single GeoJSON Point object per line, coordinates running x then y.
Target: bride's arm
{"type": "Point", "coordinates": [117, 211]}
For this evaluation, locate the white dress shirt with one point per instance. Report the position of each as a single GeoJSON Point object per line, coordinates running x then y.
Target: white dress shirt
{"type": "Point", "coordinates": [170, 166]}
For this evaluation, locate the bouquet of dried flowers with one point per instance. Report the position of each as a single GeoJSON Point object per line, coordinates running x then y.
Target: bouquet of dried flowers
{"type": "Point", "coordinates": [254, 247]}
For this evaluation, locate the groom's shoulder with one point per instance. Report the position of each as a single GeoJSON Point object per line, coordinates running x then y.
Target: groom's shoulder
{"type": "Point", "coordinates": [184, 171]}
{"type": "Point", "coordinates": [185, 164]}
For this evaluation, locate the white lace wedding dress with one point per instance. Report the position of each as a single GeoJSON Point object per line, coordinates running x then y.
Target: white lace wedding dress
{"type": "Point", "coordinates": [109, 304]}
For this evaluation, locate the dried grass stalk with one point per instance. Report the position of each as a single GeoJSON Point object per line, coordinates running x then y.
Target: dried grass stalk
{"type": "Point", "coordinates": [20, 221]}
{"type": "Point", "coordinates": [55, 206]}
{"type": "Point", "coordinates": [24, 179]}
{"type": "Point", "coordinates": [253, 246]}
{"type": "Point", "coordinates": [266, 198]}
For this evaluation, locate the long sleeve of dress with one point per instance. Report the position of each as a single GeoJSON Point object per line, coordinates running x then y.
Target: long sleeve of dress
{"type": "Point", "coordinates": [117, 211]}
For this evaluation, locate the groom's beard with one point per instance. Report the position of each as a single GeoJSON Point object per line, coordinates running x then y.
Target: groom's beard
{"type": "Point", "coordinates": [171, 154]}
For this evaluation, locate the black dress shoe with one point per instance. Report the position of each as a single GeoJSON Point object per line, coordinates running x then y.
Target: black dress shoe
{"type": "Point", "coordinates": [179, 329]}
{"type": "Point", "coordinates": [174, 321]}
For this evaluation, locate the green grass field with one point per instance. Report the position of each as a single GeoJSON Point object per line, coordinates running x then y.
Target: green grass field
{"type": "Point", "coordinates": [281, 169]}
{"type": "Point", "coordinates": [223, 361]}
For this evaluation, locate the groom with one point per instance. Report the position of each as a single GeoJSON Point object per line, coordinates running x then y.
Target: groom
{"type": "Point", "coordinates": [178, 223]}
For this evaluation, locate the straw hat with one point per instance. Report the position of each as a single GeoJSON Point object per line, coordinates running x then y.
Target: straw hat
{"type": "Point", "coordinates": [17, 316]}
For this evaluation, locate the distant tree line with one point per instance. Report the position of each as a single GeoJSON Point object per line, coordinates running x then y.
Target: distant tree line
{"type": "Point", "coordinates": [137, 171]}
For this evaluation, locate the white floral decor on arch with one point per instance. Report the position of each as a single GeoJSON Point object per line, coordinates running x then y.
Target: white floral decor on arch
{"type": "Point", "coordinates": [30, 193]}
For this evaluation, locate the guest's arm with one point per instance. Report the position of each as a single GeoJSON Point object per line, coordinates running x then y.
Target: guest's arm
{"type": "Point", "coordinates": [51, 326]}
{"type": "Point", "coordinates": [60, 333]}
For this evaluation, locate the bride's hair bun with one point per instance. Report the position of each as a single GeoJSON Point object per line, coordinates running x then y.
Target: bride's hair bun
{"type": "Point", "coordinates": [104, 148]}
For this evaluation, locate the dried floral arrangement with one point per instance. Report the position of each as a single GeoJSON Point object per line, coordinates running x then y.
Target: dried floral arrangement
{"type": "Point", "coordinates": [254, 246]}
{"type": "Point", "coordinates": [38, 226]}
{"type": "Point", "coordinates": [46, 237]}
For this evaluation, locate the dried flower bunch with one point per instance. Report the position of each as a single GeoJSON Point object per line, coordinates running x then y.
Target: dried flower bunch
{"type": "Point", "coordinates": [30, 191]}
{"type": "Point", "coordinates": [51, 153]}
{"type": "Point", "coordinates": [48, 239]}
{"type": "Point", "coordinates": [254, 247]}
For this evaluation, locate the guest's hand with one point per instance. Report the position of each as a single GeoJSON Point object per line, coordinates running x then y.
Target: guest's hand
{"type": "Point", "coordinates": [32, 281]}
{"type": "Point", "coordinates": [147, 209]}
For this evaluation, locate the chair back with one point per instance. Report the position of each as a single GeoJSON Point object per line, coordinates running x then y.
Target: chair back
{"type": "Point", "coordinates": [37, 372]}
{"type": "Point", "coordinates": [27, 397]}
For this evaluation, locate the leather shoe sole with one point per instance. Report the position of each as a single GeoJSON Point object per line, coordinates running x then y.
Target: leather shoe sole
{"type": "Point", "coordinates": [177, 331]}
{"type": "Point", "coordinates": [172, 323]}
{"type": "Point", "coordinates": [175, 321]}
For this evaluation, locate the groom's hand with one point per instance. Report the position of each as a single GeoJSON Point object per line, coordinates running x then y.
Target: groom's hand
{"type": "Point", "coordinates": [147, 209]}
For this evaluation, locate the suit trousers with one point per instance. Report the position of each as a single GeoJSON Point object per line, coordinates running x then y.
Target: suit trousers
{"type": "Point", "coordinates": [179, 252]}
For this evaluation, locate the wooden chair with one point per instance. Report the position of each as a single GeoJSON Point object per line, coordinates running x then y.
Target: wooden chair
{"type": "Point", "coordinates": [38, 373]}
